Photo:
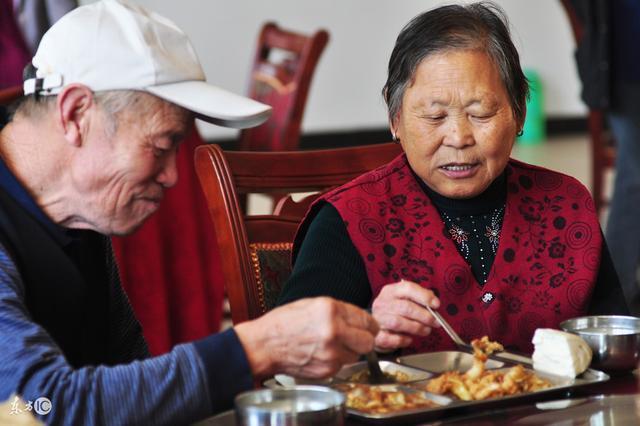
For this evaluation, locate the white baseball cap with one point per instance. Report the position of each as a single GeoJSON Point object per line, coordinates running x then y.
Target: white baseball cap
{"type": "Point", "coordinates": [116, 45]}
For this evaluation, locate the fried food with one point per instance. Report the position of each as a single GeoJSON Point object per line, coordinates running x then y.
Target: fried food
{"type": "Point", "coordinates": [382, 399]}
{"type": "Point", "coordinates": [363, 376]}
{"type": "Point", "coordinates": [482, 348]}
{"type": "Point", "coordinates": [478, 383]}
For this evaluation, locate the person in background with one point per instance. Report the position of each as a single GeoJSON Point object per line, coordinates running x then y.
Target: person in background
{"type": "Point", "coordinates": [22, 23]}
{"type": "Point", "coordinates": [88, 154]}
{"type": "Point", "coordinates": [14, 53]}
{"type": "Point", "coordinates": [35, 17]}
{"type": "Point", "coordinates": [609, 67]}
{"type": "Point", "coordinates": [499, 246]}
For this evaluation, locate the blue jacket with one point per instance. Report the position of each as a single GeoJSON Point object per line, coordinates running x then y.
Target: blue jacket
{"type": "Point", "coordinates": [68, 333]}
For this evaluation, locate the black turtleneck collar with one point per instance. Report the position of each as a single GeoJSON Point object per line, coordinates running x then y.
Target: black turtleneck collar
{"type": "Point", "coordinates": [492, 198]}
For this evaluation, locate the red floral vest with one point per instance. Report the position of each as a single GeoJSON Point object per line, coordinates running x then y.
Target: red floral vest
{"type": "Point", "coordinates": [545, 266]}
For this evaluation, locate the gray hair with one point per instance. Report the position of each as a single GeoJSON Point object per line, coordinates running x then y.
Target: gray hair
{"type": "Point", "coordinates": [112, 102]}
{"type": "Point", "coordinates": [479, 26]}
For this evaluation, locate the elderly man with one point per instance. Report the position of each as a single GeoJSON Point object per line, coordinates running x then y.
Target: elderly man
{"type": "Point", "coordinates": [89, 153]}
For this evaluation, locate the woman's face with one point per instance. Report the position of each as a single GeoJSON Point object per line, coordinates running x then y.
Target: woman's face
{"type": "Point", "coordinates": [456, 124]}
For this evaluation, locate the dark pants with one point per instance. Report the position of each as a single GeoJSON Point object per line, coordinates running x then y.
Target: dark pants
{"type": "Point", "coordinates": [623, 225]}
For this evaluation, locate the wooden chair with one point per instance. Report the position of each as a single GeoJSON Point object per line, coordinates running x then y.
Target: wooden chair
{"type": "Point", "coordinates": [603, 152]}
{"type": "Point", "coordinates": [246, 242]}
{"type": "Point", "coordinates": [10, 94]}
{"type": "Point", "coordinates": [283, 66]}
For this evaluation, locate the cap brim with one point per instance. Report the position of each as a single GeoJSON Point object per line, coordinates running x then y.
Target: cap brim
{"type": "Point", "coordinates": [213, 104]}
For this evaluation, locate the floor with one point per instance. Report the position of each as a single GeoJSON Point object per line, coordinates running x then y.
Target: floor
{"type": "Point", "coordinates": [568, 154]}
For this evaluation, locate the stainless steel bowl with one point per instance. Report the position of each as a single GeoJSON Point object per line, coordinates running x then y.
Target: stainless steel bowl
{"type": "Point", "coordinates": [615, 340]}
{"type": "Point", "coordinates": [299, 405]}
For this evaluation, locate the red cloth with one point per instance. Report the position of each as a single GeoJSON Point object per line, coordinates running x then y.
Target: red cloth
{"type": "Point", "coordinates": [170, 267]}
{"type": "Point", "coordinates": [14, 54]}
{"type": "Point", "coordinates": [544, 271]}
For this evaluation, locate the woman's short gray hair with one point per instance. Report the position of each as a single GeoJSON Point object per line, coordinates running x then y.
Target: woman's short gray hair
{"type": "Point", "coordinates": [479, 26]}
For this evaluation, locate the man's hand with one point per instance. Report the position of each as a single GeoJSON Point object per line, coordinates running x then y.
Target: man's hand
{"type": "Point", "coordinates": [310, 338]}
{"type": "Point", "coordinates": [400, 311]}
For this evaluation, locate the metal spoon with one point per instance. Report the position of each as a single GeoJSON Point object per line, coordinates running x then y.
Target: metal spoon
{"type": "Point", "coordinates": [376, 376]}
{"type": "Point", "coordinates": [508, 356]}
{"type": "Point", "coordinates": [450, 331]}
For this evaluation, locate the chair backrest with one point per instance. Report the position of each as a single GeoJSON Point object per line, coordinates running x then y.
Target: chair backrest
{"type": "Point", "coordinates": [7, 97]}
{"type": "Point", "coordinates": [603, 153]}
{"type": "Point", "coordinates": [246, 243]}
{"type": "Point", "coordinates": [10, 94]}
{"type": "Point", "coordinates": [283, 66]}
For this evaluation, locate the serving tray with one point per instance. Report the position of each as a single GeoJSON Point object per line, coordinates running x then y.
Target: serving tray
{"type": "Point", "coordinates": [436, 363]}
{"type": "Point", "coordinates": [420, 368]}
{"type": "Point", "coordinates": [411, 373]}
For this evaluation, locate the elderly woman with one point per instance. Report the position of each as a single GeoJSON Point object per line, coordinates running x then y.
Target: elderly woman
{"type": "Point", "coordinates": [499, 246]}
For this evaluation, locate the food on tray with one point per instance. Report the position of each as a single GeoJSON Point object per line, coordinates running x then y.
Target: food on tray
{"type": "Point", "coordinates": [561, 353]}
{"type": "Point", "coordinates": [381, 399]}
{"type": "Point", "coordinates": [478, 383]}
{"type": "Point", "coordinates": [362, 376]}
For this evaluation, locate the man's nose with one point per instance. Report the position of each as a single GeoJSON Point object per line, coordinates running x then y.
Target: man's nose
{"type": "Point", "coordinates": [168, 175]}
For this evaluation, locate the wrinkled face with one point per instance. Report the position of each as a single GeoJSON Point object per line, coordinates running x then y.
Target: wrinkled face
{"type": "Point", "coordinates": [456, 124]}
{"type": "Point", "coordinates": [121, 177]}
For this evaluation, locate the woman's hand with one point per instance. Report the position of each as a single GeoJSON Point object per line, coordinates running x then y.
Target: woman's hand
{"type": "Point", "coordinates": [400, 311]}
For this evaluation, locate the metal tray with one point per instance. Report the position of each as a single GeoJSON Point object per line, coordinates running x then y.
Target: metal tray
{"type": "Point", "coordinates": [437, 362]}
{"type": "Point", "coordinates": [287, 381]}
{"type": "Point", "coordinates": [414, 374]}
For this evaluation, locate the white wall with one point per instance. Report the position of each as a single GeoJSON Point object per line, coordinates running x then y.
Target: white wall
{"type": "Point", "coordinates": [345, 93]}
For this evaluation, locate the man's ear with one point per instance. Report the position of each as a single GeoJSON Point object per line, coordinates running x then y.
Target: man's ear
{"type": "Point", "coordinates": [73, 106]}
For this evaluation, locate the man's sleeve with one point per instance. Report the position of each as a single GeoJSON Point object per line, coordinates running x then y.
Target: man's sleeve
{"type": "Point", "coordinates": [175, 388]}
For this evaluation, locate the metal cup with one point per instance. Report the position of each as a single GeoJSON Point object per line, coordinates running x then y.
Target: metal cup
{"type": "Point", "coordinates": [615, 340]}
{"type": "Point", "coordinates": [299, 406]}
